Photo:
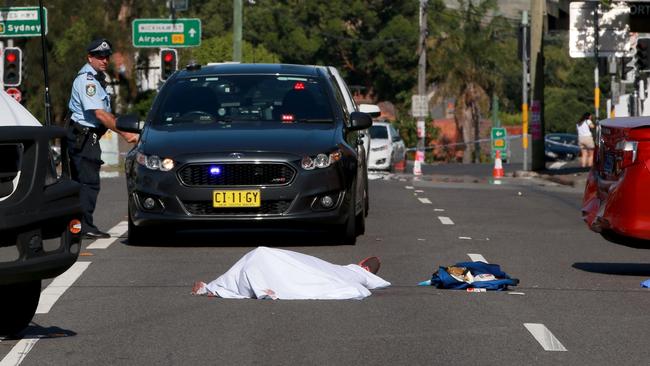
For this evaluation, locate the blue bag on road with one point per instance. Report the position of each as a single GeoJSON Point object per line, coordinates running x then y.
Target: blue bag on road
{"type": "Point", "coordinates": [472, 275]}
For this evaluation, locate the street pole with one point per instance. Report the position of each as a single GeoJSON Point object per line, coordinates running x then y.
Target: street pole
{"type": "Point", "coordinates": [422, 71]}
{"type": "Point", "coordinates": [524, 86]}
{"type": "Point", "coordinates": [46, 80]}
{"type": "Point", "coordinates": [236, 30]}
{"type": "Point", "coordinates": [596, 71]}
{"type": "Point", "coordinates": [538, 11]}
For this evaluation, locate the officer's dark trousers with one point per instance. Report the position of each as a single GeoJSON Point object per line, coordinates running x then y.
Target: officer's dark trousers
{"type": "Point", "coordinates": [85, 163]}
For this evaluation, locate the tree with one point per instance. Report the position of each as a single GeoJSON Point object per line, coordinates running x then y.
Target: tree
{"type": "Point", "coordinates": [465, 60]}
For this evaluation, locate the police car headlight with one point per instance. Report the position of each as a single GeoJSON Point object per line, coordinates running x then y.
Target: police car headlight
{"type": "Point", "coordinates": [321, 160]}
{"type": "Point", "coordinates": [154, 162]}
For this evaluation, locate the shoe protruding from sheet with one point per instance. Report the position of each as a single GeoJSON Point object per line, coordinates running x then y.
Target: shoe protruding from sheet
{"type": "Point", "coordinates": [269, 273]}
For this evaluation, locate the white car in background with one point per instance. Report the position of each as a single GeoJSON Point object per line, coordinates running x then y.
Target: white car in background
{"type": "Point", "coordinates": [386, 147]}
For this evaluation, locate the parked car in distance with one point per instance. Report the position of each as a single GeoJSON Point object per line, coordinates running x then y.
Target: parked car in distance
{"type": "Point", "coordinates": [238, 146]}
{"type": "Point", "coordinates": [616, 195]}
{"type": "Point", "coordinates": [39, 214]}
{"type": "Point", "coordinates": [561, 146]}
{"type": "Point", "coordinates": [386, 147]}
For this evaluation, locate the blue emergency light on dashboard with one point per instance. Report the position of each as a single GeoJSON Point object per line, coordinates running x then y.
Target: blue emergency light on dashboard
{"type": "Point", "coordinates": [215, 170]}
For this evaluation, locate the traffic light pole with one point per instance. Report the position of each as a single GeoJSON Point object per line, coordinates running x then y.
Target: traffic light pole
{"type": "Point", "coordinates": [236, 30]}
{"type": "Point", "coordinates": [48, 105]}
{"type": "Point", "coordinates": [524, 87]}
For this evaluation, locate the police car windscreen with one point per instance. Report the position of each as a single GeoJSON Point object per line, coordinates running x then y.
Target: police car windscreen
{"type": "Point", "coordinates": [241, 98]}
{"type": "Point", "coordinates": [378, 132]}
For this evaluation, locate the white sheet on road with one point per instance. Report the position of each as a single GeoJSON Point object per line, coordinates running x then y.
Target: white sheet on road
{"type": "Point", "coordinates": [269, 273]}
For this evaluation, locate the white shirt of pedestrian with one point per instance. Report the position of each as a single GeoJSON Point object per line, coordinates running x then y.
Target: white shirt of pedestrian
{"type": "Point", "coordinates": [584, 128]}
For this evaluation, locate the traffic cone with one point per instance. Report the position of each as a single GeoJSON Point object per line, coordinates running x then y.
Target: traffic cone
{"type": "Point", "coordinates": [497, 172]}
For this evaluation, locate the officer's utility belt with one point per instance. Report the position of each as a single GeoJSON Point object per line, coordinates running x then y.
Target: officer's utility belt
{"type": "Point", "coordinates": [83, 134]}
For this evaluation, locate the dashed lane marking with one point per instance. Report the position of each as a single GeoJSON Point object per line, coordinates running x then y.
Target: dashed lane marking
{"type": "Point", "coordinates": [424, 200]}
{"type": "Point", "coordinates": [477, 258]}
{"type": "Point", "coordinates": [408, 187]}
{"type": "Point", "coordinates": [115, 232]}
{"type": "Point", "coordinates": [464, 238]}
{"type": "Point", "coordinates": [19, 352]}
{"type": "Point", "coordinates": [59, 285]}
{"type": "Point", "coordinates": [445, 220]}
{"type": "Point", "coordinates": [544, 336]}
{"type": "Point", "coordinates": [419, 191]}
{"type": "Point", "coordinates": [439, 209]}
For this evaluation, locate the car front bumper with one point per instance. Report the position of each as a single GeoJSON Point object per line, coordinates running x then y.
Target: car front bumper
{"type": "Point", "coordinates": [180, 206]}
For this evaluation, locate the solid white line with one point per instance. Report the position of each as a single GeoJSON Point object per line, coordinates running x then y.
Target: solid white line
{"type": "Point", "coordinates": [408, 187]}
{"type": "Point", "coordinates": [59, 285]}
{"type": "Point", "coordinates": [19, 352]}
{"type": "Point", "coordinates": [477, 258]}
{"type": "Point", "coordinates": [115, 232]}
{"type": "Point", "coordinates": [544, 336]}
{"type": "Point", "coordinates": [445, 220]}
{"type": "Point", "coordinates": [425, 200]}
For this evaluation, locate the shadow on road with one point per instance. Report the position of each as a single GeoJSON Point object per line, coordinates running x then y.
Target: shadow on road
{"type": "Point", "coordinates": [249, 238]}
{"type": "Point", "coordinates": [620, 269]}
{"type": "Point", "coordinates": [37, 331]}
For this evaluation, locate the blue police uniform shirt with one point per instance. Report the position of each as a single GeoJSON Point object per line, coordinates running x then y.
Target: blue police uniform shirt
{"type": "Point", "coordinates": [88, 95]}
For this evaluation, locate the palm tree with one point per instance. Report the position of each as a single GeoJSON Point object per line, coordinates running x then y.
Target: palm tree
{"type": "Point", "coordinates": [465, 62]}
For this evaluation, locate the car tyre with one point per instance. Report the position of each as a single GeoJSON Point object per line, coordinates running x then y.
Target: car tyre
{"type": "Point", "coordinates": [348, 231]}
{"type": "Point", "coordinates": [18, 306]}
{"type": "Point", "coordinates": [139, 235]}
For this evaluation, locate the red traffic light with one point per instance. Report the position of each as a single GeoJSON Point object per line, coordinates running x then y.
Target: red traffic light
{"type": "Point", "coordinates": [168, 57]}
{"type": "Point", "coordinates": [10, 57]}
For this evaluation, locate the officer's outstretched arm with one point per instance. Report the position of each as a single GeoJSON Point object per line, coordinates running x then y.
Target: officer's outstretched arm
{"type": "Point", "coordinates": [109, 121]}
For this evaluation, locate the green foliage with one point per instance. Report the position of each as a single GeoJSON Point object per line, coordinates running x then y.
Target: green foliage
{"type": "Point", "coordinates": [219, 49]}
{"type": "Point", "coordinates": [510, 119]}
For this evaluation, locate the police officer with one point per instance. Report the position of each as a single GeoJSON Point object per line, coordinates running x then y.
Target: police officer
{"type": "Point", "coordinates": [90, 118]}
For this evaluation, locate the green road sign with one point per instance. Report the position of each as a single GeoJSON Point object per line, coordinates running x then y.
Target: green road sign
{"type": "Point", "coordinates": [21, 22]}
{"type": "Point", "coordinates": [166, 32]}
{"type": "Point", "coordinates": [499, 139]}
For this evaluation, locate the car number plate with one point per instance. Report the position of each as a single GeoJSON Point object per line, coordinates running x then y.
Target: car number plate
{"type": "Point", "coordinates": [232, 198]}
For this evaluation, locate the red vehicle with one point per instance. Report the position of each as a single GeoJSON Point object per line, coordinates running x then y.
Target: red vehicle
{"type": "Point", "coordinates": [617, 195]}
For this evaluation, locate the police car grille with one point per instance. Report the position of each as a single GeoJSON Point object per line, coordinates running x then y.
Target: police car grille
{"type": "Point", "coordinates": [240, 174]}
{"type": "Point", "coordinates": [270, 207]}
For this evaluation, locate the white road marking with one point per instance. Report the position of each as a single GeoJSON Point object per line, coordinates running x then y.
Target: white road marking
{"type": "Point", "coordinates": [409, 187]}
{"type": "Point", "coordinates": [445, 220]}
{"type": "Point", "coordinates": [419, 191]}
{"type": "Point", "coordinates": [544, 336]}
{"type": "Point", "coordinates": [477, 258]}
{"type": "Point", "coordinates": [425, 201]}
{"type": "Point", "coordinates": [439, 209]}
{"type": "Point", "coordinates": [115, 232]}
{"type": "Point", "coordinates": [464, 238]}
{"type": "Point", "coordinates": [19, 352]}
{"type": "Point", "coordinates": [59, 285]}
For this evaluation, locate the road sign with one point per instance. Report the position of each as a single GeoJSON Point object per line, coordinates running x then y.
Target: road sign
{"type": "Point", "coordinates": [614, 36]}
{"type": "Point", "coordinates": [419, 106]}
{"type": "Point", "coordinates": [180, 5]}
{"type": "Point", "coordinates": [166, 32]}
{"type": "Point", "coordinates": [499, 139]}
{"type": "Point", "coordinates": [15, 93]}
{"type": "Point", "coordinates": [21, 22]}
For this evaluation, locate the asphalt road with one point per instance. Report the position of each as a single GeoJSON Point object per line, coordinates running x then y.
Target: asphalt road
{"type": "Point", "coordinates": [580, 293]}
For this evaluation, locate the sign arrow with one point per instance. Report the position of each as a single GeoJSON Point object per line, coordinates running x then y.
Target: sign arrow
{"type": "Point", "coordinates": [192, 32]}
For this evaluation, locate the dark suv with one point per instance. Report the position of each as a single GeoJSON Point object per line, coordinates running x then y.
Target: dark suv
{"type": "Point", "coordinates": [39, 219]}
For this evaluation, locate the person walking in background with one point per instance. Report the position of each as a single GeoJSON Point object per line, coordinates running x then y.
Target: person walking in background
{"type": "Point", "coordinates": [90, 118]}
{"type": "Point", "coordinates": [586, 140]}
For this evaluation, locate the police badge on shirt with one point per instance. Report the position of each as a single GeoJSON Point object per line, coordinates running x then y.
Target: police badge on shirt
{"type": "Point", "coordinates": [91, 89]}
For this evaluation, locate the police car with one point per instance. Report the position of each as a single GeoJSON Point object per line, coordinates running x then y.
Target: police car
{"type": "Point", "coordinates": [248, 145]}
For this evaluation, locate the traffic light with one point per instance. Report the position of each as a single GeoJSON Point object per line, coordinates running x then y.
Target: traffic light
{"type": "Point", "coordinates": [629, 69]}
{"type": "Point", "coordinates": [642, 55]}
{"type": "Point", "coordinates": [13, 57]}
{"type": "Point", "coordinates": [168, 63]}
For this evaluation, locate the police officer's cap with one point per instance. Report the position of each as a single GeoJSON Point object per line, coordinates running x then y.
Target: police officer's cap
{"type": "Point", "coordinates": [100, 47]}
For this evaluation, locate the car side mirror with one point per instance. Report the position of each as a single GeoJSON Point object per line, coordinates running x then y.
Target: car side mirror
{"type": "Point", "coordinates": [396, 138]}
{"type": "Point", "coordinates": [129, 123]}
{"type": "Point", "coordinates": [359, 121]}
{"type": "Point", "coordinates": [370, 109]}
